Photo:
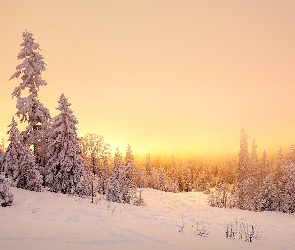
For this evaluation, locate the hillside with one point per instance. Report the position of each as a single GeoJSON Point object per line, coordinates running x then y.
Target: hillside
{"type": "Point", "coordinates": [55, 221]}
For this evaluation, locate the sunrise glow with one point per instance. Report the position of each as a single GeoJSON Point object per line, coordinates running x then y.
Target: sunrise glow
{"type": "Point", "coordinates": [166, 77]}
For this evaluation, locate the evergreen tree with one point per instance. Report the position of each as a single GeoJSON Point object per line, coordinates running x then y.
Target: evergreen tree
{"type": "Point", "coordinates": [288, 188]}
{"type": "Point", "coordinates": [19, 164]}
{"type": "Point", "coordinates": [243, 157]}
{"type": "Point", "coordinates": [268, 196]}
{"type": "Point", "coordinates": [254, 162]}
{"type": "Point", "coordinates": [148, 164]}
{"type": "Point", "coordinates": [6, 197]}
{"type": "Point", "coordinates": [10, 160]}
{"type": "Point", "coordinates": [65, 165]}
{"type": "Point", "coordinates": [264, 168]}
{"type": "Point", "coordinates": [29, 108]}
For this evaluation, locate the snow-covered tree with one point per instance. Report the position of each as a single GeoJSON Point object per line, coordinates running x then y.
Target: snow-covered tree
{"type": "Point", "coordinates": [6, 197]}
{"type": "Point", "coordinates": [96, 154]}
{"type": "Point", "coordinates": [29, 108]}
{"type": "Point", "coordinates": [287, 186]}
{"type": "Point", "coordinates": [243, 157]}
{"type": "Point", "coordinates": [148, 164]}
{"type": "Point", "coordinates": [2, 148]}
{"type": "Point", "coordinates": [264, 167]}
{"type": "Point", "coordinates": [65, 164]}
{"type": "Point", "coordinates": [268, 196]}
{"type": "Point", "coordinates": [253, 160]}
{"type": "Point", "coordinates": [19, 164]}
{"type": "Point", "coordinates": [129, 177]}
{"type": "Point", "coordinates": [10, 160]}
{"type": "Point", "coordinates": [114, 186]}
{"type": "Point", "coordinates": [121, 186]}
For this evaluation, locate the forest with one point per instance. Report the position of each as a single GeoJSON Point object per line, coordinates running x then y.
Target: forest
{"type": "Point", "coordinates": [49, 155]}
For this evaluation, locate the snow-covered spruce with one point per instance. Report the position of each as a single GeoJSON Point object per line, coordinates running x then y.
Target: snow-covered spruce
{"type": "Point", "coordinates": [29, 108]}
{"type": "Point", "coordinates": [65, 164]}
{"type": "Point", "coordinates": [18, 164]}
{"type": "Point", "coordinates": [6, 197]}
{"type": "Point", "coordinates": [121, 186]}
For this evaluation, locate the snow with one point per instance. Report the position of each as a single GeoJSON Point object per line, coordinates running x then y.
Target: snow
{"type": "Point", "coordinates": [58, 221]}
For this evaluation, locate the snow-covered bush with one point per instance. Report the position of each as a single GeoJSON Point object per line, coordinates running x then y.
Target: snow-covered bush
{"type": "Point", "coordinates": [138, 200]}
{"type": "Point", "coordinates": [200, 229]}
{"type": "Point", "coordinates": [240, 229]}
{"type": "Point", "coordinates": [6, 197]}
{"type": "Point", "coordinates": [218, 196]}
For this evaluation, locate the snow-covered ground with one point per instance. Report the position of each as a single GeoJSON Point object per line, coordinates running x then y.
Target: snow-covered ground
{"type": "Point", "coordinates": [54, 221]}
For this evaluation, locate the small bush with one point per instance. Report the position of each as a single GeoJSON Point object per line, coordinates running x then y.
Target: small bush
{"type": "Point", "coordinates": [6, 197]}
{"type": "Point", "coordinates": [242, 230]}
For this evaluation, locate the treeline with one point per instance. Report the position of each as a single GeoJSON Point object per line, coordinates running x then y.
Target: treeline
{"type": "Point", "coordinates": [258, 185]}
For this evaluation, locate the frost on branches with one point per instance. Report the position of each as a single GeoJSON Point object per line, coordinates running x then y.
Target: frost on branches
{"type": "Point", "coordinates": [121, 186]}
{"type": "Point", "coordinates": [18, 164]}
{"type": "Point", "coordinates": [29, 108]}
{"type": "Point", "coordinates": [65, 164]}
{"type": "Point", "coordinates": [6, 197]}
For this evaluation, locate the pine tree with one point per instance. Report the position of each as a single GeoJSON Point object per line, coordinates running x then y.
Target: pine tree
{"type": "Point", "coordinates": [268, 196]}
{"type": "Point", "coordinates": [253, 160]}
{"type": "Point", "coordinates": [264, 167]}
{"type": "Point", "coordinates": [174, 175]}
{"type": "Point", "coordinates": [29, 108]}
{"type": "Point", "coordinates": [121, 186]}
{"type": "Point", "coordinates": [10, 160]}
{"type": "Point", "coordinates": [129, 178]}
{"type": "Point", "coordinates": [243, 157]}
{"type": "Point", "coordinates": [288, 188]}
{"type": "Point", "coordinates": [114, 186]}
{"type": "Point", "coordinates": [19, 164]}
{"type": "Point", "coordinates": [65, 165]}
{"type": "Point", "coordinates": [6, 197]}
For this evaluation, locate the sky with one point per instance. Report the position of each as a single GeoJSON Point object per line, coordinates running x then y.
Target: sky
{"type": "Point", "coordinates": [165, 76]}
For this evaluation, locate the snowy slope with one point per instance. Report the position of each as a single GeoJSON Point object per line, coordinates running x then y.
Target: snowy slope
{"type": "Point", "coordinates": [54, 221]}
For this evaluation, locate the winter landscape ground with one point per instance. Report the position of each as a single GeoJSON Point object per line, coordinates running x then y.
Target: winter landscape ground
{"type": "Point", "coordinates": [46, 220]}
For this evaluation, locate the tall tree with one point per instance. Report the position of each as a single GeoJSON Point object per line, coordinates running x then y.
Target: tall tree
{"type": "Point", "coordinates": [65, 165]}
{"type": "Point", "coordinates": [29, 108]}
{"type": "Point", "coordinates": [243, 157]}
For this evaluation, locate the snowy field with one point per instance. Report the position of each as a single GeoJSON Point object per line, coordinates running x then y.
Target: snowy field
{"type": "Point", "coordinates": [54, 221]}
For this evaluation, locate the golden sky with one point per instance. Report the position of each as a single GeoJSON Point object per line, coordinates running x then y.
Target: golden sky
{"type": "Point", "coordinates": [162, 75]}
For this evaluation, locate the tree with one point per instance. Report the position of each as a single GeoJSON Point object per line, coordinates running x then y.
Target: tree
{"type": "Point", "coordinates": [243, 157]}
{"type": "Point", "coordinates": [96, 154]}
{"type": "Point", "coordinates": [65, 165]}
{"type": "Point", "coordinates": [253, 160]}
{"type": "Point", "coordinates": [114, 186]}
{"type": "Point", "coordinates": [129, 177]}
{"type": "Point", "coordinates": [29, 108]}
{"type": "Point", "coordinates": [2, 148]}
{"type": "Point", "coordinates": [121, 186]}
{"type": "Point", "coordinates": [19, 164]}
{"type": "Point", "coordinates": [6, 197]}
{"type": "Point", "coordinates": [264, 168]}
{"type": "Point", "coordinates": [10, 160]}
{"type": "Point", "coordinates": [268, 196]}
